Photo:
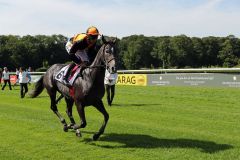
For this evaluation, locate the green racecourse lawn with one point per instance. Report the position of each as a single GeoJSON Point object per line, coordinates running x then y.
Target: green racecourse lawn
{"type": "Point", "coordinates": [145, 123]}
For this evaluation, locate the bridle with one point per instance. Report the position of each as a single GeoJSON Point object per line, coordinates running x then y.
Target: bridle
{"type": "Point", "coordinates": [105, 61]}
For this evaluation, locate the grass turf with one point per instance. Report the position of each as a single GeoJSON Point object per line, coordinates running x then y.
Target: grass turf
{"type": "Point", "coordinates": [145, 123]}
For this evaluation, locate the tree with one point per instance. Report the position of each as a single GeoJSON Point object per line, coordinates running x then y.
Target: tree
{"type": "Point", "coordinates": [136, 53]}
{"type": "Point", "coordinates": [198, 50]}
{"type": "Point", "coordinates": [133, 52]}
{"type": "Point", "coordinates": [162, 52]}
{"type": "Point", "coordinates": [230, 52]}
{"type": "Point", "coordinates": [182, 51]}
{"type": "Point", "coordinates": [212, 46]}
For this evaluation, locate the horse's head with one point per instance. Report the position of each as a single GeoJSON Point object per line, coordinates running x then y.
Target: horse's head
{"type": "Point", "coordinates": [109, 54]}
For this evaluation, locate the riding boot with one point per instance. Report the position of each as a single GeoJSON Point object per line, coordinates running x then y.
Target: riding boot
{"type": "Point", "coordinates": [65, 78]}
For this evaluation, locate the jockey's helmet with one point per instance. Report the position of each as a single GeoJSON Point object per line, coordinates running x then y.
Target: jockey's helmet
{"type": "Point", "coordinates": [92, 31]}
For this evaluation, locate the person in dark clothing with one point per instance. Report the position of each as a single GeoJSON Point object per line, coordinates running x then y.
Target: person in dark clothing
{"type": "Point", "coordinates": [110, 80]}
{"type": "Point", "coordinates": [23, 81]}
{"type": "Point", "coordinates": [6, 78]}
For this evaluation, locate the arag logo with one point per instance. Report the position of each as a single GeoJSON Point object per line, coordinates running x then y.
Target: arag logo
{"type": "Point", "coordinates": [132, 79]}
{"type": "Point", "coordinates": [141, 80]}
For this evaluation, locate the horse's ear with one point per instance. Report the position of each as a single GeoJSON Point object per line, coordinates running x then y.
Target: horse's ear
{"type": "Point", "coordinates": [104, 40]}
{"type": "Point", "coordinates": [114, 40]}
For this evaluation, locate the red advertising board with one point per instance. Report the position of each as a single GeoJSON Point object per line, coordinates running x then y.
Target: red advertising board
{"type": "Point", "coordinates": [13, 78]}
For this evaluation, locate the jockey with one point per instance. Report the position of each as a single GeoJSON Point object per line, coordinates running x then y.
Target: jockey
{"type": "Point", "coordinates": [78, 48]}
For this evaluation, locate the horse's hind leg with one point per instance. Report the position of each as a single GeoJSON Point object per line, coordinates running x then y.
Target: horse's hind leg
{"type": "Point", "coordinates": [52, 95]}
{"type": "Point", "coordinates": [100, 107]}
{"type": "Point", "coordinates": [69, 112]}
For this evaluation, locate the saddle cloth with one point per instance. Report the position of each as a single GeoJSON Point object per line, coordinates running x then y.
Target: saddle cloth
{"type": "Point", "coordinates": [73, 75]}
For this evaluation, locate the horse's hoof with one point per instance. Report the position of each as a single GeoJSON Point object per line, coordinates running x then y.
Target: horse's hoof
{"type": "Point", "coordinates": [95, 137]}
{"type": "Point", "coordinates": [75, 127]}
{"type": "Point", "coordinates": [65, 128]}
{"type": "Point", "coordinates": [70, 126]}
{"type": "Point", "coordinates": [78, 134]}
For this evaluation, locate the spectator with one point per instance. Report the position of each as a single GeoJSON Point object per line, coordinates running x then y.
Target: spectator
{"type": "Point", "coordinates": [29, 75]}
{"type": "Point", "coordinates": [110, 81]}
{"type": "Point", "coordinates": [17, 80]}
{"type": "Point", "coordinates": [23, 80]}
{"type": "Point", "coordinates": [6, 78]}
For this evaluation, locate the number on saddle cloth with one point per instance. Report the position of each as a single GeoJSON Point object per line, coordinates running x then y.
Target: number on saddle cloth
{"type": "Point", "coordinates": [60, 75]}
{"type": "Point", "coordinates": [73, 75]}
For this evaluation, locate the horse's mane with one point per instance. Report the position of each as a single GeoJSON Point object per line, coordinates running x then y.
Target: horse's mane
{"type": "Point", "coordinates": [100, 51]}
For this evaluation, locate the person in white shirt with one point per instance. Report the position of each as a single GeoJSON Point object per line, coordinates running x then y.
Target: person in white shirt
{"type": "Point", "coordinates": [17, 74]}
{"type": "Point", "coordinates": [23, 80]}
{"type": "Point", "coordinates": [110, 81]}
{"type": "Point", "coordinates": [6, 78]}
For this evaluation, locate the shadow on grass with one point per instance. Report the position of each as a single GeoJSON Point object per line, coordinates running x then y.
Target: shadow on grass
{"type": "Point", "coordinates": [134, 105]}
{"type": "Point", "coordinates": [38, 97]}
{"type": "Point", "coordinates": [149, 142]}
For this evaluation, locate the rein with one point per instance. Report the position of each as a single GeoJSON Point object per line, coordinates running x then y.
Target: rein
{"type": "Point", "coordinates": [104, 66]}
{"type": "Point", "coordinates": [98, 66]}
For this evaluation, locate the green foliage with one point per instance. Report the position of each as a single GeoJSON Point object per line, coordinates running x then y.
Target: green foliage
{"type": "Point", "coordinates": [178, 52]}
{"type": "Point", "coordinates": [145, 123]}
{"type": "Point", "coordinates": [199, 51]}
{"type": "Point", "coordinates": [133, 52]}
{"type": "Point", "coordinates": [162, 52]}
{"type": "Point", "coordinates": [229, 55]}
{"type": "Point", "coordinates": [32, 51]}
{"type": "Point", "coordinates": [182, 48]}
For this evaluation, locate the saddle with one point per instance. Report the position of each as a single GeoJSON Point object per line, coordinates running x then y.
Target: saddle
{"type": "Point", "coordinates": [74, 73]}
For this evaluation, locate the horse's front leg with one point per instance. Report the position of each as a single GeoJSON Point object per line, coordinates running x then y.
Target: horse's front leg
{"type": "Point", "coordinates": [83, 123]}
{"type": "Point", "coordinates": [59, 98]}
{"type": "Point", "coordinates": [100, 107]}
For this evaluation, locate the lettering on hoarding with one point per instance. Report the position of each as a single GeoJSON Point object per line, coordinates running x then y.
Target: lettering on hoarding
{"type": "Point", "coordinates": [126, 80]}
{"type": "Point", "coordinates": [132, 79]}
{"type": "Point", "coordinates": [231, 84]}
{"type": "Point", "coordinates": [194, 78]}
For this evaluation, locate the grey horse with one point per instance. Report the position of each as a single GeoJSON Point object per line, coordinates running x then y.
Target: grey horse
{"type": "Point", "coordinates": [87, 90]}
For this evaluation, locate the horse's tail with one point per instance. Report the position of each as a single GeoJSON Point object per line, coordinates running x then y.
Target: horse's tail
{"type": "Point", "coordinates": [38, 88]}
